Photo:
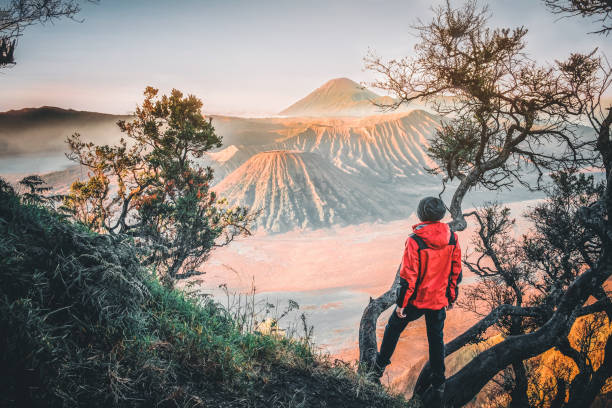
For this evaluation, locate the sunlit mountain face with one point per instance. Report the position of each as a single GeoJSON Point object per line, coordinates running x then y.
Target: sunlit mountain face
{"type": "Point", "coordinates": [304, 189]}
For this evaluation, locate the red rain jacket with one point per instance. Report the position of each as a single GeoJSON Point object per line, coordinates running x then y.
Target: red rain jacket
{"type": "Point", "coordinates": [436, 280]}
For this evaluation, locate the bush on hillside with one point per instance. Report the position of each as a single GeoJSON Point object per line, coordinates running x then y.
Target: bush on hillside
{"type": "Point", "coordinates": [150, 186]}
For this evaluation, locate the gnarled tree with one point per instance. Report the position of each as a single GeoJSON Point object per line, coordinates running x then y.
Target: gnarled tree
{"type": "Point", "coordinates": [505, 114]}
{"type": "Point", "coordinates": [533, 272]}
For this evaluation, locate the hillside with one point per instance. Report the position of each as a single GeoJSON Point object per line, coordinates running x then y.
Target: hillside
{"type": "Point", "coordinates": [229, 159]}
{"type": "Point", "coordinates": [338, 97]}
{"type": "Point", "coordinates": [48, 115]}
{"type": "Point", "coordinates": [369, 157]}
{"type": "Point", "coordinates": [85, 325]}
{"type": "Point", "coordinates": [44, 129]}
{"type": "Point", "coordinates": [301, 189]}
{"type": "Point", "coordinates": [354, 173]}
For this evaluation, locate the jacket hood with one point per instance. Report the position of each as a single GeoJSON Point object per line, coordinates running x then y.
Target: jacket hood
{"type": "Point", "coordinates": [435, 234]}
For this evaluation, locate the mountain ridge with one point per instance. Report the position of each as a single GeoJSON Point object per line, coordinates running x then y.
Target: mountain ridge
{"type": "Point", "coordinates": [43, 130]}
{"type": "Point", "coordinates": [53, 113]}
{"type": "Point", "coordinates": [385, 147]}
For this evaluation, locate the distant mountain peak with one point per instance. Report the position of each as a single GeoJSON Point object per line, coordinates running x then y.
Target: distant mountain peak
{"type": "Point", "coordinates": [344, 81]}
{"type": "Point", "coordinates": [337, 97]}
{"type": "Point", "coordinates": [344, 84]}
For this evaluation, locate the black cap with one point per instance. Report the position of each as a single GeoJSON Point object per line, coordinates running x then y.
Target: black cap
{"type": "Point", "coordinates": [431, 209]}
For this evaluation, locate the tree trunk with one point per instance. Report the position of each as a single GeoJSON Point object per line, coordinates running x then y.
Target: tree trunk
{"type": "Point", "coordinates": [559, 399]}
{"type": "Point", "coordinates": [368, 346]}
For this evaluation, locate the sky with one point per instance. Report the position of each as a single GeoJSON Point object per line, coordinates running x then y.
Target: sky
{"type": "Point", "coordinates": [241, 57]}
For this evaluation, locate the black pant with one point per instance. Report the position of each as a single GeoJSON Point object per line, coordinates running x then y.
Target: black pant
{"type": "Point", "coordinates": [434, 320]}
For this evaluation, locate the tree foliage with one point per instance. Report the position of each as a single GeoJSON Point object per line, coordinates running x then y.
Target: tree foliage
{"type": "Point", "coordinates": [16, 15]}
{"type": "Point", "coordinates": [601, 10]}
{"type": "Point", "coordinates": [150, 186]}
{"type": "Point", "coordinates": [37, 192]}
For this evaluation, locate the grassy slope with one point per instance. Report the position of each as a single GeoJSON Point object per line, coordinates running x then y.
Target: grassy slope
{"type": "Point", "coordinates": [82, 324]}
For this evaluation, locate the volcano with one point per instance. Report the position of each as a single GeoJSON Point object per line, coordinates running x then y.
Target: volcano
{"type": "Point", "coordinates": [292, 189]}
{"type": "Point", "coordinates": [338, 97]}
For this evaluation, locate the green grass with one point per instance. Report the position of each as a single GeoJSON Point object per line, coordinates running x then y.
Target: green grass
{"type": "Point", "coordinates": [82, 323]}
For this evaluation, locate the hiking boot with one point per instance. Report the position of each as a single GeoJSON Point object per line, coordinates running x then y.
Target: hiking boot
{"type": "Point", "coordinates": [378, 369]}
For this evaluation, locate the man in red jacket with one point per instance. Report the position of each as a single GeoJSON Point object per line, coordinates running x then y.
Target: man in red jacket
{"type": "Point", "coordinates": [429, 278]}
